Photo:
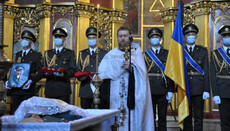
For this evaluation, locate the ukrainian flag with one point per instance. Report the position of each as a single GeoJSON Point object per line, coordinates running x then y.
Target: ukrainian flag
{"type": "Point", "coordinates": [177, 71]}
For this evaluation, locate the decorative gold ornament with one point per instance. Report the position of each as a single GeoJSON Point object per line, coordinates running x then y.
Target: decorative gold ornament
{"type": "Point", "coordinates": [105, 23]}
{"type": "Point", "coordinates": [224, 6]}
{"type": "Point", "coordinates": [63, 10]}
{"type": "Point", "coordinates": [43, 10]}
{"type": "Point", "coordinates": [26, 17]}
{"type": "Point", "coordinates": [169, 15]}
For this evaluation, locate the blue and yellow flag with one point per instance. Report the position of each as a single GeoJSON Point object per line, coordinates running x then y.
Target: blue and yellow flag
{"type": "Point", "coordinates": [177, 71]}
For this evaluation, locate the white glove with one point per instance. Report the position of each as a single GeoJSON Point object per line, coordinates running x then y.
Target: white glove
{"type": "Point", "coordinates": [58, 74]}
{"type": "Point", "coordinates": [205, 95]}
{"type": "Point", "coordinates": [216, 100]}
{"type": "Point", "coordinates": [27, 85]}
{"type": "Point", "coordinates": [169, 96]}
{"type": "Point", "coordinates": [7, 85]}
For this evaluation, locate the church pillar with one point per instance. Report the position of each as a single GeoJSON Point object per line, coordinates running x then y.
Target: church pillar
{"type": "Point", "coordinates": [44, 14]}
{"type": "Point", "coordinates": [117, 21]}
{"type": "Point", "coordinates": [201, 13]}
{"type": "Point", "coordinates": [9, 15]}
{"type": "Point", "coordinates": [83, 22]}
{"type": "Point", "coordinates": [169, 15]}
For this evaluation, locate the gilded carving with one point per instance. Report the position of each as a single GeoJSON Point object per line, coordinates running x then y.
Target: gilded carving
{"type": "Point", "coordinates": [189, 16]}
{"type": "Point", "coordinates": [201, 8]}
{"type": "Point", "coordinates": [85, 10]}
{"type": "Point", "coordinates": [105, 23]}
{"type": "Point", "coordinates": [63, 10]}
{"type": "Point", "coordinates": [169, 15]}
{"type": "Point", "coordinates": [25, 17]}
{"type": "Point", "coordinates": [10, 10]}
{"type": "Point", "coordinates": [224, 6]}
{"type": "Point", "coordinates": [43, 11]}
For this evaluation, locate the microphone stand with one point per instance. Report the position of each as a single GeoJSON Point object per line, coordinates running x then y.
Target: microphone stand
{"type": "Point", "coordinates": [130, 72]}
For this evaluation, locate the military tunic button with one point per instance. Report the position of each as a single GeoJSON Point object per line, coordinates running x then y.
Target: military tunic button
{"type": "Point", "coordinates": [158, 77]}
{"type": "Point", "coordinates": [91, 66]}
{"type": "Point", "coordinates": [55, 64]}
{"type": "Point", "coordinates": [22, 60]}
{"type": "Point", "coordinates": [190, 78]}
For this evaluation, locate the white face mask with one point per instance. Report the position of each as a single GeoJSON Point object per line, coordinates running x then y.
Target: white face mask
{"type": "Point", "coordinates": [226, 41]}
{"type": "Point", "coordinates": [191, 39]}
{"type": "Point", "coordinates": [24, 43]}
{"type": "Point", "coordinates": [155, 41]}
{"type": "Point", "coordinates": [92, 43]}
{"type": "Point", "coordinates": [57, 41]}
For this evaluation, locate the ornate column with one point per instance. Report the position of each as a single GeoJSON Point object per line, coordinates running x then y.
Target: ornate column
{"type": "Point", "coordinates": [83, 14]}
{"type": "Point", "coordinates": [5, 64]}
{"type": "Point", "coordinates": [44, 13]}
{"type": "Point", "coordinates": [169, 18]}
{"type": "Point", "coordinates": [201, 11]}
{"type": "Point", "coordinates": [198, 13]}
{"type": "Point", "coordinates": [9, 16]}
{"type": "Point", "coordinates": [117, 20]}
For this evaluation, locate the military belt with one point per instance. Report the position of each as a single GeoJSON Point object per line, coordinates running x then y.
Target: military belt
{"type": "Point", "coordinates": [155, 74]}
{"type": "Point", "coordinates": [223, 76]}
{"type": "Point", "coordinates": [194, 73]}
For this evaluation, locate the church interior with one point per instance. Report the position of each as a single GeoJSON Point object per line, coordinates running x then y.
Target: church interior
{"type": "Point", "coordinates": [41, 17]}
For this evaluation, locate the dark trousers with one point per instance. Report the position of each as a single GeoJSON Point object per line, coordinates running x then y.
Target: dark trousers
{"type": "Point", "coordinates": [196, 110]}
{"type": "Point", "coordinates": [63, 98]}
{"type": "Point", "coordinates": [225, 114]}
{"type": "Point", "coordinates": [16, 100]}
{"type": "Point", "coordinates": [87, 103]}
{"type": "Point", "coordinates": [162, 103]}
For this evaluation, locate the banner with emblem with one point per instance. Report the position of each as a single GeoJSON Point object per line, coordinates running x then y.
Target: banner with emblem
{"type": "Point", "coordinates": [19, 75]}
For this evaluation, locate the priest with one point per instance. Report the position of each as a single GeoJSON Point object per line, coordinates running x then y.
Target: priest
{"type": "Point", "coordinates": [129, 87]}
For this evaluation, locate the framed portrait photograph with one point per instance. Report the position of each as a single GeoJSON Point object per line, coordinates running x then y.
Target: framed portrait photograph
{"type": "Point", "coordinates": [19, 75]}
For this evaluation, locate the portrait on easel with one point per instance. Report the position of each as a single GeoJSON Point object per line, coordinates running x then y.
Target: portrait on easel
{"type": "Point", "coordinates": [19, 75]}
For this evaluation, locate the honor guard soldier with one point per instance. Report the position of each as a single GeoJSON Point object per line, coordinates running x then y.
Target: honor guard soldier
{"type": "Point", "coordinates": [27, 55]}
{"type": "Point", "coordinates": [198, 75]}
{"type": "Point", "coordinates": [220, 77]}
{"type": "Point", "coordinates": [62, 60]}
{"type": "Point", "coordinates": [162, 87]}
{"type": "Point", "coordinates": [87, 63]}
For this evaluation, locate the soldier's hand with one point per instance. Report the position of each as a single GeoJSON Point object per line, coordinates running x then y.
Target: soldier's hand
{"type": "Point", "coordinates": [58, 74]}
{"type": "Point", "coordinates": [216, 100]}
{"type": "Point", "coordinates": [205, 95]}
{"type": "Point", "coordinates": [126, 65]}
{"type": "Point", "coordinates": [7, 85]}
{"type": "Point", "coordinates": [169, 96]}
{"type": "Point", "coordinates": [27, 85]}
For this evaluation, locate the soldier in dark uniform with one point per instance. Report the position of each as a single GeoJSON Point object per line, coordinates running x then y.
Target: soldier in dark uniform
{"type": "Point", "coordinates": [27, 55]}
{"type": "Point", "coordinates": [58, 84]}
{"type": "Point", "coordinates": [198, 81]}
{"type": "Point", "coordinates": [220, 77]}
{"type": "Point", "coordinates": [162, 87]}
{"type": "Point", "coordinates": [87, 63]}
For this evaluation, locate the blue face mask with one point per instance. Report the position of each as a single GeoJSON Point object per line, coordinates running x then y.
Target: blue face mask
{"type": "Point", "coordinates": [226, 41]}
{"type": "Point", "coordinates": [155, 41]}
{"type": "Point", "coordinates": [57, 41]}
{"type": "Point", "coordinates": [191, 39]}
{"type": "Point", "coordinates": [24, 43]}
{"type": "Point", "coordinates": [92, 43]}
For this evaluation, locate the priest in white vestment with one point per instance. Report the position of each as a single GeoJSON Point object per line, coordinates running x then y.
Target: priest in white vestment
{"type": "Point", "coordinates": [113, 66]}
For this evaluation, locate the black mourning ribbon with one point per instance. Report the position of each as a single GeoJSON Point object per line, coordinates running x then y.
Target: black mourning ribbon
{"type": "Point", "coordinates": [131, 90]}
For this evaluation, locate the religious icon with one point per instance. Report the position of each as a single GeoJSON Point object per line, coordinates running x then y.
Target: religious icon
{"type": "Point", "coordinates": [19, 75]}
